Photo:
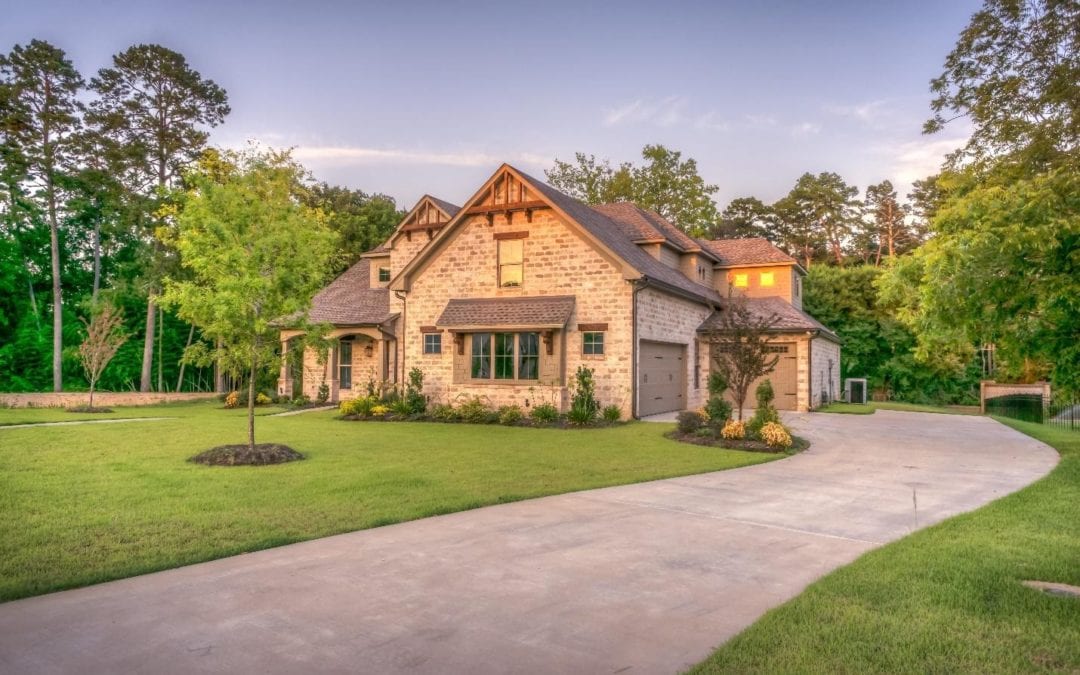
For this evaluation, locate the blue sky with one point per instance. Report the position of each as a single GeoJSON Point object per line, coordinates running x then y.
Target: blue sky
{"type": "Point", "coordinates": [408, 98]}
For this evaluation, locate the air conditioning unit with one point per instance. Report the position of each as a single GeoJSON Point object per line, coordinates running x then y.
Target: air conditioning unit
{"type": "Point", "coordinates": [855, 390]}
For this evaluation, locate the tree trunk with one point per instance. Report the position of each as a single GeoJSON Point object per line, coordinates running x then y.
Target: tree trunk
{"type": "Point", "coordinates": [33, 298]}
{"type": "Point", "coordinates": [58, 302]}
{"type": "Point", "coordinates": [97, 262]}
{"type": "Point", "coordinates": [251, 407]}
{"type": "Point", "coordinates": [148, 345]}
{"type": "Point", "coordinates": [91, 395]}
{"type": "Point", "coordinates": [160, 351]}
{"type": "Point", "coordinates": [180, 380]}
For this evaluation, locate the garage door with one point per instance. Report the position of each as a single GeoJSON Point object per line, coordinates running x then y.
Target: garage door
{"type": "Point", "coordinates": [784, 379]}
{"type": "Point", "coordinates": [661, 378]}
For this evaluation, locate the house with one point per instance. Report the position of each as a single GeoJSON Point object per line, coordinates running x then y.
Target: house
{"type": "Point", "coordinates": [505, 296]}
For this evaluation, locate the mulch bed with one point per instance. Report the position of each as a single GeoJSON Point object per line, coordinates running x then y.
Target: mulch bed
{"type": "Point", "coordinates": [87, 409]}
{"type": "Point", "coordinates": [244, 455]}
{"type": "Point", "coordinates": [800, 444]}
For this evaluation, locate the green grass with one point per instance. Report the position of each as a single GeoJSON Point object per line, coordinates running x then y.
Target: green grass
{"type": "Point", "coordinates": [10, 416]}
{"type": "Point", "coordinates": [919, 407]}
{"type": "Point", "coordinates": [88, 503]}
{"type": "Point", "coordinates": [846, 408]}
{"type": "Point", "coordinates": [946, 599]}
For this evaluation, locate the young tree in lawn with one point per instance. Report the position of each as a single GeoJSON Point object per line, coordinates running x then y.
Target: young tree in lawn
{"type": "Point", "coordinates": [152, 111]}
{"type": "Point", "coordinates": [41, 116]}
{"type": "Point", "coordinates": [739, 338]}
{"type": "Point", "coordinates": [255, 254]}
{"type": "Point", "coordinates": [104, 337]}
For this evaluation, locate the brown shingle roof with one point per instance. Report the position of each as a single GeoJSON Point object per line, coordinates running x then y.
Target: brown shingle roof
{"type": "Point", "coordinates": [612, 235]}
{"type": "Point", "coordinates": [539, 311]}
{"type": "Point", "coordinates": [349, 300]}
{"type": "Point", "coordinates": [789, 318]}
{"type": "Point", "coordinates": [646, 224]}
{"type": "Point", "coordinates": [754, 251]}
{"type": "Point", "coordinates": [450, 209]}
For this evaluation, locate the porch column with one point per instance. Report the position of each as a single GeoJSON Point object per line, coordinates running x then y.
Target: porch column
{"type": "Point", "coordinates": [332, 375]}
{"type": "Point", "coordinates": [285, 376]}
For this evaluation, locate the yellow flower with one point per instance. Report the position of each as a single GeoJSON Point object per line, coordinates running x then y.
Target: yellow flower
{"type": "Point", "coordinates": [776, 436]}
{"type": "Point", "coordinates": [734, 430]}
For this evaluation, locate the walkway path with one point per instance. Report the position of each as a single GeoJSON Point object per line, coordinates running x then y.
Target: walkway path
{"type": "Point", "coordinates": [643, 578]}
{"type": "Point", "coordinates": [74, 422]}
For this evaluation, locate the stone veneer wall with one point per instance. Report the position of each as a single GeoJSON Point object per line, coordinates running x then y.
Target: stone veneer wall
{"type": "Point", "coordinates": [101, 398]}
{"type": "Point", "coordinates": [822, 351]}
{"type": "Point", "coordinates": [663, 317]}
{"type": "Point", "coordinates": [557, 261]}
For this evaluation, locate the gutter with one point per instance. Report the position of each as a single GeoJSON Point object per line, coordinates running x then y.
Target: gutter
{"type": "Point", "coordinates": [639, 285]}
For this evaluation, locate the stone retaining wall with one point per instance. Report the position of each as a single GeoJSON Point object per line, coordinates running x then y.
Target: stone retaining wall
{"type": "Point", "coordinates": [991, 389]}
{"type": "Point", "coordinates": [101, 398]}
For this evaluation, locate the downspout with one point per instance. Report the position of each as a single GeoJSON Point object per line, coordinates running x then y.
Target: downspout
{"type": "Point", "coordinates": [639, 285]}
{"type": "Point", "coordinates": [400, 295]}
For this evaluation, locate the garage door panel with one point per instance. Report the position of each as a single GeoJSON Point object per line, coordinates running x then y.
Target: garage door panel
{"type": "Point", "coordinates": [661, 378]}
{"type": "Point", "coordinates": [784, 379]}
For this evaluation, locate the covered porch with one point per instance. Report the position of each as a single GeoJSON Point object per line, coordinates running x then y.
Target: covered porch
{"type": "Point", "coordinates": [357, 356]}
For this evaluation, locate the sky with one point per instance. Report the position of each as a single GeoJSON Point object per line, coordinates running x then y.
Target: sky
{"type": "Point", "coordinates": [412, 98]}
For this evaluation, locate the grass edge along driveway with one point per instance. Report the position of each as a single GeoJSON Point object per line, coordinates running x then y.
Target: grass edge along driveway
{"type": "Point", "coordinates": [945, 599]}
{"type": "Point", "coordinates": [90, 503]}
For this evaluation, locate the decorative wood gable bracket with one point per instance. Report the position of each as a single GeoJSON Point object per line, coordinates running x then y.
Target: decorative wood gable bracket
{"type": "Point", "coordinates": [507, 196]}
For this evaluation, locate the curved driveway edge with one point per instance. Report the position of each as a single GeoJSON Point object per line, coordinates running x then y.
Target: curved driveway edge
{"type": "Point", "coordinates": [637, 578]}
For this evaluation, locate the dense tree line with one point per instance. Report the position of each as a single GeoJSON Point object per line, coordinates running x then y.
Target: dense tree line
{"type": "Point", "coordinates": [90, 170]}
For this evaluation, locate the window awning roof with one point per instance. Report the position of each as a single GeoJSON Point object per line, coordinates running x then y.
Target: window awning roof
{"type": "Point", "coordinates": [546, 311]}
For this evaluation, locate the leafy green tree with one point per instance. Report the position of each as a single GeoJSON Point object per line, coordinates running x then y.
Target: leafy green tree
{"type": "Point", "coordinates": [256, 256]}
{"type": "Point", "coordinates": [885, 228]}
{"type": "Point", "coordinates": [819, 213]}
{"type": "Point", "coordinates": [1014, 74]}
{"type": "Point", "coordinates": [361, 221]}
{"type": "Point", "coordinates": [152, 113]}
{"type": "Point", "coordinates": [740, 347]}
{"type": "Point", "coordinates": [665, 183]}
{"type": "Point", "coordinates": [745, 217]}
{"type": "Point", "coordinates": [41, 118]}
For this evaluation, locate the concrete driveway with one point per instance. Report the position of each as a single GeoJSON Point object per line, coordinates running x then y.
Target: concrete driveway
{"type": "Point", "coordinates": [640, 578]}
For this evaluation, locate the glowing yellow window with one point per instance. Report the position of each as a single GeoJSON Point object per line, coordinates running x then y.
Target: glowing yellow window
{"type": "Point", "coordinates": [742, 280]}
{"type": "Point", "coordinates": [767, 279]}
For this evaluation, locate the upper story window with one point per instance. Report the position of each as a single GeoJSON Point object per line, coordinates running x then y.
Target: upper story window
{"type": "Point", "coordinates": [798, 282]}
{"type": "Point", "coordinates": [384, 275]}
{"type": "Point", "coordinates": [511, 262]}
{"type": "Point", "coordinates": [767, 279]}
{"type": "Point", "coordinates": [701, 273]}
{"type": "Point", "coordinates": [741, 280]}
{"type": "Point", "coordinates": [592, 343]}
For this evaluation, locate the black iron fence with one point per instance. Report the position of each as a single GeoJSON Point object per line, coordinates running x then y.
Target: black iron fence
{"type": "Point", "coordinates": [1033, 408]}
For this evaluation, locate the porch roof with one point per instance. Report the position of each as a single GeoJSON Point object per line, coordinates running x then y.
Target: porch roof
{"type": "Point", "coordinates": [546, 311]}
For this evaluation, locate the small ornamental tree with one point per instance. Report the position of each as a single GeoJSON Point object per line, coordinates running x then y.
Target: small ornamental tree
{"type": "Point", "coordinates": [740, 346]}
{"type": "Point", "coordinates": [255, 256]}
{"type": "Point", "coordinates": [104, 336]}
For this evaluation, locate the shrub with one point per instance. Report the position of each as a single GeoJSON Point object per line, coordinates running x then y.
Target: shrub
{"type": "Point", "coordinates": [347, 407]}
{"type": "Point", "coordinates": [612, 414]}
{"type": "Point", "coordinates": [545, 413]}
{"type": "Point", "coordinates": [324, 393]}
{"type": "Point", "coordinates": [765, 412]}
{"type": "Point", "coordinates": [717, 407]}
{"type": "Point", "coordinates": [414, 391]}
{"type": "Point", "coordinates": [301, 400]}
{"type": "Point", "coordinates": [511, 415]}
{"type": "Point", "coordinates": [262, 399]}
{"type": "Point", "coordinates": [379, 410]}
{"type": "Point", "coordinates": [690, 421]}
{"type": "Point", "coordinates": [401, 408]}
{"type": "Point", "coordinates": [361, 406]}
{"type": "Point", "coordinates": [776, 436]}
{"type": "Point", "coordinates": [583, 404]}
{"type": "Point", "coordinates": [734, 430]}
{"type": "Point", "coordinates": [232, 400]}
{"type": "Point", "coordinates": [476, 411]}
{"type": "Point", "coordinates": [444, 412]}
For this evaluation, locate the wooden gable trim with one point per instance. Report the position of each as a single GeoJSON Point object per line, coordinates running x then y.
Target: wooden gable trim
{"type": "Point", "coordinates": [509, 235]}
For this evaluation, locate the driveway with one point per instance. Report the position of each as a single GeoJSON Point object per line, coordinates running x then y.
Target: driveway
{"type": "Point", "coordinates": [643, 578]}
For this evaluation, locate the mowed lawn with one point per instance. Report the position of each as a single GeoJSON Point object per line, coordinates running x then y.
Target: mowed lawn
{"type": "Point", "coordinates": [88, 503]}
{"type": "Point", "coordinates": [946, 599]}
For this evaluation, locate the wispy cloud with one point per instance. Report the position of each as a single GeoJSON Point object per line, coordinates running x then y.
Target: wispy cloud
{"type": "Point", "coordinates": [357, 155]}
{"type": "Point", "coordinates": [665, 112]}
{"type": "Point", "coordinates": [804, 129]}
{"type": "Point", "coordinates": [759, 121]}
{"type": "Point", "coordinates": [914, 160]}
{"type": "Point", "coordinates": [867, 111]}
{"type": "Point", "coordinates": [712, 121]}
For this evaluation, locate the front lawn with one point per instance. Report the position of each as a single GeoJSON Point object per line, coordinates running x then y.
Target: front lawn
{"type": "Point", "coordinates": [847, 408]}
{"type": "Point", "coordinates": [869, 408]}
{"type": "Point", "coordinates": [945, 599]}
{"type": "Point", "coordinates": [89, 503]}
{"type": "Point", "coordinates": [12, 416]}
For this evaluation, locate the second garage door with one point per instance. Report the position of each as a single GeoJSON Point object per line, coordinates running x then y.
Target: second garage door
{"type": "Point", "coordinates": [661, 378]}
{"type": "Point", "coordinates": [784, 379]}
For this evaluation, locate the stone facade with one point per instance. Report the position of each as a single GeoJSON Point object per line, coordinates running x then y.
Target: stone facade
{"type": "Point", "coordinates": [663, 317]}
{"type": "Point", "coordinates": [825, 375]}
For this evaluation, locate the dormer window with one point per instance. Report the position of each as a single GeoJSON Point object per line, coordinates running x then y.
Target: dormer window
{"type": "Point", "coordinates": [384, 275]}
{"type": "Point", "coordinates": [767, 279]}
{"type": "Point", "coordinates": [741, 280]}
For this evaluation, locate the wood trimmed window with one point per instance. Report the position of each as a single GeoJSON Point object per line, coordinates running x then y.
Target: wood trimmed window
{"type": "Point", "coordinates": [505, 356]}
{"type": "Point", "coordinates": [740, 280]}
{"type": "Point", "coordinates": [511, 262]}
{"type": "Point", "coordinates": [384, 275]}
{"type": "Point", "coordinates": [345, 365]}
{"type": "Point", "coordinates": [433, 343]}
{"type": "Point", "coordinates": [592, 343]}
{"type": "Point", "coordinates": [798, 282]}
{"type": "Point", "coordinates": [767, 279]}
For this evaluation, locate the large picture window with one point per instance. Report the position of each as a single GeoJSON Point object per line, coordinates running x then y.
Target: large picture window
{"type": "Point", "coordinates": [345, 365]}
{"type": "Point", "coordinates": [505, 356]}
{"type": "Point", "coordinates": [511, 261]}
